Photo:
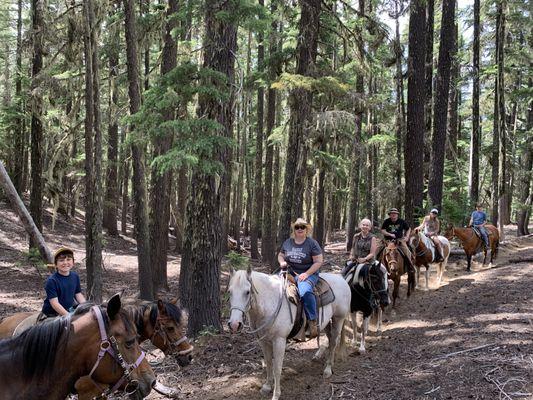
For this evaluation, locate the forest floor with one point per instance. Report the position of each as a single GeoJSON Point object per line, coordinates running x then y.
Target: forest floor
{"type": "Point", "coordinates": [471, 338]}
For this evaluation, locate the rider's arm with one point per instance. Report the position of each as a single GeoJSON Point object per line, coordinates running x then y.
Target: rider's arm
{"type": "Point", "coordinates": [421, 226]}
{"type": "Point", "coordinates": [281, 260]}
{"type": "Point", "coordinates": [58, 307]}
{"type": "Point", "coordinates": [387, 234]}
{"type": "Point", "coordinates": [407, 234]}
{"type": "Point", "coordinates": [317, 263]}
{"type": "Point", "coordinates": [80, 298]}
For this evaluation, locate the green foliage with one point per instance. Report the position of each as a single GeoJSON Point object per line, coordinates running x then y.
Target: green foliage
{"type": "Point", "coordinates": [237, 261]}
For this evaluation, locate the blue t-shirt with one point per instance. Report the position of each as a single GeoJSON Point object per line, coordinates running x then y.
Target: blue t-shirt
{"type": "Point", "coordinates": [64, 288]}
{"type": "Point", "coordinates": [300, 256]}
{"type": "Point", "coordinates": [478, 217]}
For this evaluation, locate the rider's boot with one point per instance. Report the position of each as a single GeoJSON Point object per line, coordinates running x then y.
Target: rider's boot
{"type": "Point", "coordinates": [313, 329]}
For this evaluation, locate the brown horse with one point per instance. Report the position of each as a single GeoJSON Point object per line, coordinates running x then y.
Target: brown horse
{"type": "Point", "coordinates": [393, 260]}
{"type": "Point", "coordinates": [424, 254]}
{"type": "Point", "coordinates": [472, 243]}
{"type": "Point", "coordinates": [45, 361]}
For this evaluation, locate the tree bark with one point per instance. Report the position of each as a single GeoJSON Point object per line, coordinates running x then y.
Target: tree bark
{"type": "Point", "coordinates": [19, 126]}
{"type": "Point", "coordinates": [414, 168]}
{"type": "Point", "coordinates": [429, 109]}
{"type": "Point", "coordinates": [258, 179]}
{"type": "Point", "coordinates": [502, 198]}
{"type": "Point", "coordinates": [139, 179]}
{"type": "Point", "coordinates": [453, 102]}
{"type": "Point", "coordinates": [200, 270]}
{"type": "Point", "coordinates": [93, 158]}
{"type": "Point", "coordinates": [473, 176]}
{"type": "Point", "coordinates": [524, 211]}
{"type": "Point", "coordinates": [438, 148]}
{"type": "Point", "coordinates": [111, 194]}
{"type": "Point", "coordinates": [300, 103]}
{"type": "Point", "coordinates": [161, 182]}
{"type": "Point", "coordinates": [36, 192]}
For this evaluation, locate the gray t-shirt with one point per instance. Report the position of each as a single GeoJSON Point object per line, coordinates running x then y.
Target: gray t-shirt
{"type": "Point", "coordinates": [300, 256]}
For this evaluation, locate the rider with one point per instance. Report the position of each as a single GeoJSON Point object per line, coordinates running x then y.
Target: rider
{"type": "Point", "coordinates": [395, 228]}
{"type": "Point", "coordinates": [431, 227]}
{"type": "Point", "coordinates": [478, 220]}
{"type": "Point", "coordinates": [63, 286]}
{"type": "Point", "coordinates": [364, 244]}
{"type": "Point", "coordinates": [304, 255]}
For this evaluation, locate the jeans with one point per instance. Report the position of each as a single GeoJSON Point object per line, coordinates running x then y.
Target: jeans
{"type": "Point", "coordinates": [484, 235]}
{"type": "Point", "coordinates": [305, 289]}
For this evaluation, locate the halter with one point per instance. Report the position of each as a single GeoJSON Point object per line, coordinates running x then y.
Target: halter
{"type": "Point", "coordinates": [268, 323]}
{"type": "Point", "coordinates": [160, 331]}
{"type": "Point", "coordinates": [110, 345]}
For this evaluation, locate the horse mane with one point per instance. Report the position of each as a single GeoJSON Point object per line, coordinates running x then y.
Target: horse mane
{"type": "Point", "coordinates": [37, 348]}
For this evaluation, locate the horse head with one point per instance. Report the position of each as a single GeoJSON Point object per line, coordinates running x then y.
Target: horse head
{"type": "Point", "coordinates": [392, 259]}
{"type": "Point", "coordinates": [120, 342]}
{"type": "Point", "coordinates": [169, 329]}
{"type": "Point", "coordinates": [449, 233]}
{"type": "Point", "coordinates": [378, 279]}
{"type": "Point", "coordinates": [240, 289]}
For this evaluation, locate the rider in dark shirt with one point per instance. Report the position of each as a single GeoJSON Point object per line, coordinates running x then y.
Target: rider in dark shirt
{"type": "Point", "coordinates": [395, 228]}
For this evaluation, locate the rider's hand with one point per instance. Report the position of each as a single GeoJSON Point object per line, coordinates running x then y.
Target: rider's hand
{"type": "Point", "coordinates": [303, 276]}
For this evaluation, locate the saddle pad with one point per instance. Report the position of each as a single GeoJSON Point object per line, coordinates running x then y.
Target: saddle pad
{"type": "Point", "coordinates": [26, 323]}
{"type": "Point", "coordinates": [429, 244]}
{"type": "Point", "coordinates": [323, 293]}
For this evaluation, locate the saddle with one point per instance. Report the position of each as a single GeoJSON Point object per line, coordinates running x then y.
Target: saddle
{"type": "Point", "coordinates": [324, 296]}
{"type": "Point", "coordinates": [28, 322]}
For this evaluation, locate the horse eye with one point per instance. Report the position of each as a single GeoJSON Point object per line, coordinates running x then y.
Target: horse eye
{"type": "Point", "coordinates": [247, 292]}
{"type": "Point", "coordinates": [130, 343]}
{"type": "Point", "coordinates": [170, 329]}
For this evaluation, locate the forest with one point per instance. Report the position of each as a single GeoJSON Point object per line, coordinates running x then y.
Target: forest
{"type": "Point", "coordinates": [210, 120]}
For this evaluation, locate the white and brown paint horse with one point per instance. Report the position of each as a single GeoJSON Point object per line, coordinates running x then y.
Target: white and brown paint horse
{"type": "Point", "coordinates": [261, 298]}
{"type": "Point", "coordinates": [424, 250]}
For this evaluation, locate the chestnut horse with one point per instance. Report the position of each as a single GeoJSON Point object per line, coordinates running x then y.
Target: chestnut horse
{"type": "Point", "coordinates": [472, 243]}
{"type": "Point", "coordinates": [424, 254]}
{"type": "Point", "coordinates": [45, 361]}
{"type": "Point", "coordinates": [393, 260]}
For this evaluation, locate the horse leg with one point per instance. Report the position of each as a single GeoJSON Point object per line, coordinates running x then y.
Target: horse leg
{"type": "Point", "coordinates": [417, 281]}
{"type": "Point", "coordinates": [468, 262]}
{"type": "Point", "coordinates": [379, 321]}
{"type": "Point", "coordinates": [427, 277]}
{"type": "Point", "coordinates": [336, 324]}
{"type": "Point", "coordinates": [364, 330]}
{"type": "Point", "coordinates": [353, 321]}
{"type": "Point", "coordinates": [484, 256]}
{"type": "Point", "coordinates": [322, 349]}
{"type": "Point", "coordinates": [266, 346]}
{"type": "Point", "coordinates": [278, 353]}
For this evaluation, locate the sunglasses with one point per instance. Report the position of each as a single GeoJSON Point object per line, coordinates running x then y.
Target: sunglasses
{"type": "Point", "coordinates": [300, 227]}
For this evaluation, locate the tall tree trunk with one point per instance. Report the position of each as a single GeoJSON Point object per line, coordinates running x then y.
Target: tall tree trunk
{"type": "Point", "coordinates": [111, 194]}
{"type": "Point", "coordinates": [319, 233]}
{"type": "Point", "coordinates": [200, 270]}
{"type": "Point", "coordinates": [496, 124]}
{"type": "Point", "coordinates": [525, 198]}
{"type": "Point", "coordinates": [300, 102]}
{"type": "Point", "coordinates": [438, 147]}
{"type": "Point", "coordinates": [268, 238]}
{"type": "Point", "coordinates": [400, 110]}
{"type": "Point", "coordinates": [139, 179]}
{"type": "Point", "coordinates": [161, 182]}
{"type": "Point", "coordinates": [473, 176]}
{"type": "Point", "coordinates": [453, 102]}
{"type": "Point", "coordinates": [93, 157]}
{"type": "Point", "coordinates": [414, 171]}
{"type": "Point", "coordinates": [36, 192]}
{"type": "Point", "coordinates": [19, 131]}
{"type": "Point", "coordinates": [430, 22]}
{"type": "Point", "coordinates": [258, 180]}
{"type": "Point", "coordinates": [502, 165]}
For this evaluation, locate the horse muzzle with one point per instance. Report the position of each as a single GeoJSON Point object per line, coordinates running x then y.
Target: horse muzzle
{"type": "Point", "coordinates": [183, 359]}
{"type": "Point", "coordinates": [235, 326]}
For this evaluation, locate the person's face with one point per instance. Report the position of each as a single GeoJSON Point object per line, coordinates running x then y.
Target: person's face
{"type": "Point", "coordinates": [394, 217]}
{"type": "Point", "coordinates": [433, 215]}
{"type": "Point", "coordinates": [64, 263]}
{"type": "Point", "coordinates": [300, 230]}
{"type": "Point", "coordinates": [479, 208]}
{"type": "Point", "coordinates": [365, 227]}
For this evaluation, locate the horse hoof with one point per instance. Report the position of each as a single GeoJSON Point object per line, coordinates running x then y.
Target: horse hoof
{"type": "Point", "coordinates": [327, 372]}
{"type": "Point", "coordinates": [379, 332]}
{"type": "Point", "coordinates": [362, 351]}
{"type": "Point", "coordinates": [265, 389]}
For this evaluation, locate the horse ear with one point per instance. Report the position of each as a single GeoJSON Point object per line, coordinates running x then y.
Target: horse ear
{"type": "Point", "coordinates": [249, 271]}
{"type": "Point", "coordinates": [113, 306]}
{"type": "Point", "coordinates": [231, 271]}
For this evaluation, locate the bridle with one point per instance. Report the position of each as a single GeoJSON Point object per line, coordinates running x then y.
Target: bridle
{"type": "Point", "coordinates": [108, 344]}
{"type": "Point", "coordinates": [159, 330]}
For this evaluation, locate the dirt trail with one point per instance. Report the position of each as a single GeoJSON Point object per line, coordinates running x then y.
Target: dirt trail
{"type": "Point", "coordinates": [422, 353]}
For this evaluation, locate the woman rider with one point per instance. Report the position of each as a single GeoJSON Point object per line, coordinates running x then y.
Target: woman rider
{"type": "Point", "coordinates": [431, 227]}
{"type": "Point", "coordinates": [304, 255]}
{"type": "Point", "coordinates": [364, 244]}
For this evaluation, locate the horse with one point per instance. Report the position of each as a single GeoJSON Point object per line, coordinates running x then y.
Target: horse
{"type": "Point", "coordinates": [425, 254]}
{"type": "Point", "coordinates": [472, 243]}
{"type": "Point", "coordinates": [253, 293]}
{"type": "Point", "coordinates": [393, 260]}
{"type": "Point", "coordinates": [45, 361]}
{"type": "Point", "coordinates": [369, 288]}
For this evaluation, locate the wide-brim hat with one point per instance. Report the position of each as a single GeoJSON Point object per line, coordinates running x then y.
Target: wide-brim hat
{"type": "Point", "coordinates": [394, 211]}
{"type": "Point", "coordinates": [63, 250]}
{"type": "Point", "coordinates": [301, 221]}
